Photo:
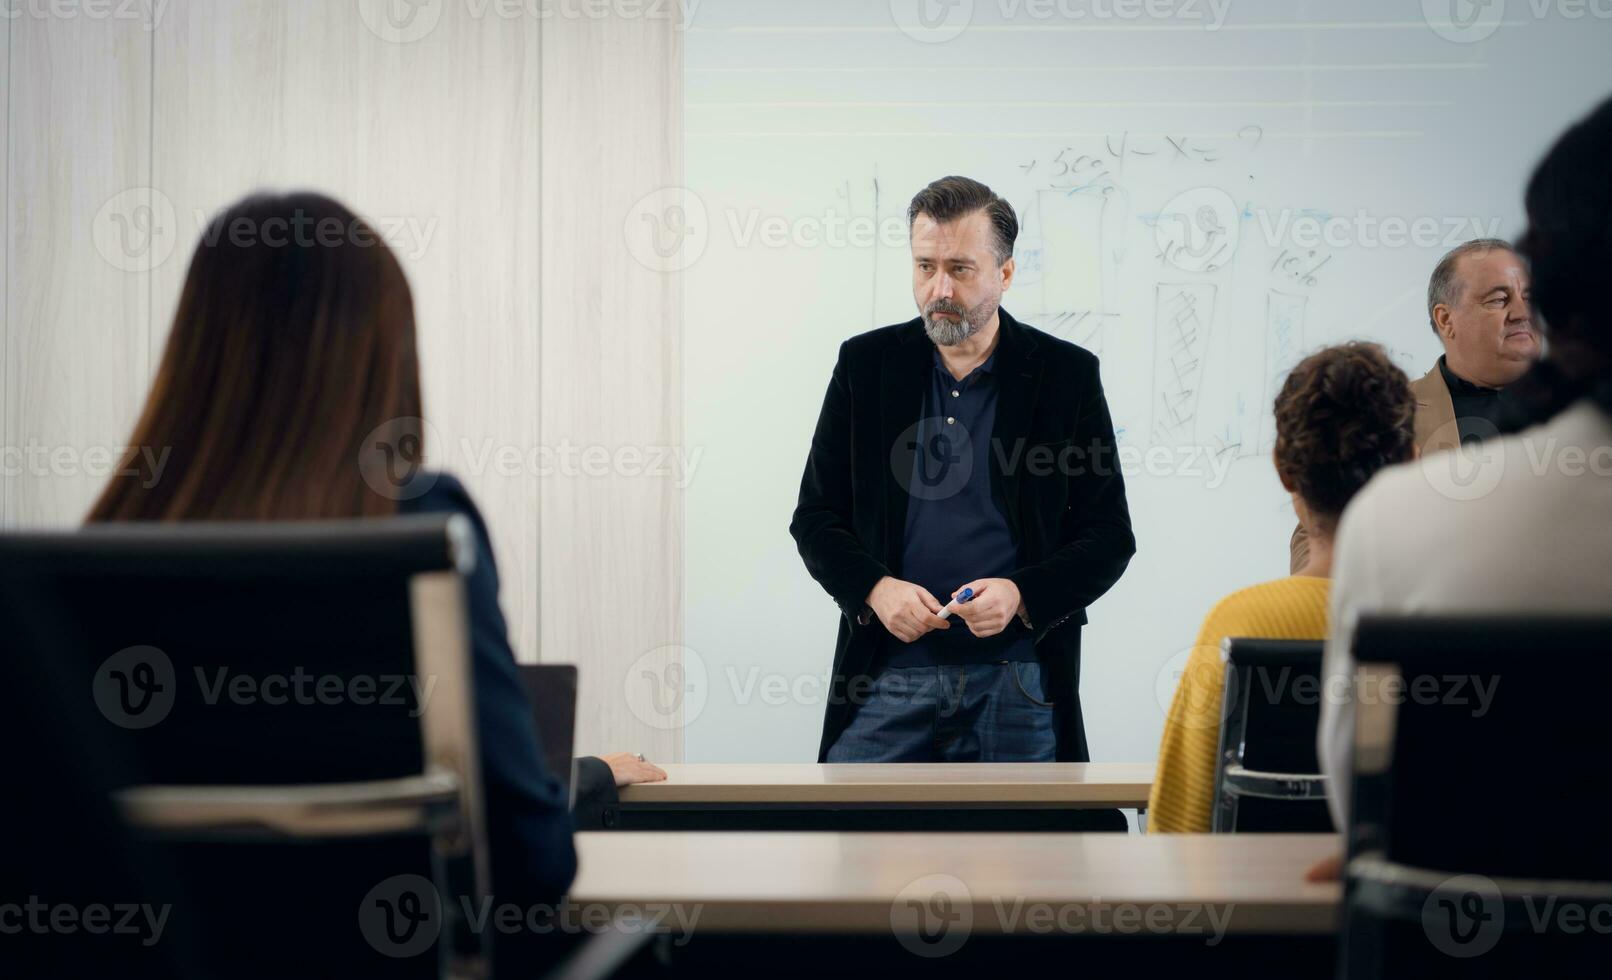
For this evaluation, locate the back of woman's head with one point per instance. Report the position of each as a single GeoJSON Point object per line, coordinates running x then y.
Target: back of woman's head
{"type": "Point", "coordinates": [1343, 414]}
{"type": "Point", "coordinates": [293, 341]}
{"type": "Point", "coordinates": [1569, 246]}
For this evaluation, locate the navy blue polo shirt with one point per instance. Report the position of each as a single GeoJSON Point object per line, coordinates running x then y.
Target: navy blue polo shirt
{"type": "Point", "coordinates": [956, 530]}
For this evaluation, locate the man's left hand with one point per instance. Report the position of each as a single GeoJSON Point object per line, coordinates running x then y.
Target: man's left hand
{"type": "Point", "coordinates": [996, 601]}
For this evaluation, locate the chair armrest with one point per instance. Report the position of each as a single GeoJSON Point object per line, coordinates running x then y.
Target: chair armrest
{"type": "Point", "coordinates": [1399, 891]}
{"type": "Point", "coordinates": [604, 953]}
{"type": "Point", "coordinates": [1239, 781]}
{"type": "Point", "coordinates": [413, 803]}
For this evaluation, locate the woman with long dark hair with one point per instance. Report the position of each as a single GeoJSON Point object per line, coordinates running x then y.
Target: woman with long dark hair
{"type": "Point", "coordinates": [293, 347]}
{"type": "Point", "coordinates": [294, 339]}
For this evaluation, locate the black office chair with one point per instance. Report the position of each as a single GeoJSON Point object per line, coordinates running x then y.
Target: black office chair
{"type": "Point", "coordinates": [63, 842]}
{"type": "Point", "coordinates": [1267, 776]}
{"type": "Point", "coordinates": [297, 700]}
{"type": "Point", "coordinates": [1477, 833]}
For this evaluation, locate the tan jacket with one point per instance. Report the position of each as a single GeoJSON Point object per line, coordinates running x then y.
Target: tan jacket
{"type": "Point", "coordinates": [1436, 431]}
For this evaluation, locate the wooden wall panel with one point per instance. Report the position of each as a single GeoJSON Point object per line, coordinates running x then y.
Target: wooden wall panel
{"type": "Point", "coordinates": [505, 153]}
{"type": "Point", "coordinates": [434, 139]}
{"type": "Point", "coordinates": [81, 234]}
{"type": "Point", "coordinates": [612, 566]}
{"type": "Point", "coordinates": [5, 252]}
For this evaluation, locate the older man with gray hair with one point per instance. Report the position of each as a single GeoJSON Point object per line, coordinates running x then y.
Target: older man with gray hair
{"type": "Point", "coordinates": [1477, 303]}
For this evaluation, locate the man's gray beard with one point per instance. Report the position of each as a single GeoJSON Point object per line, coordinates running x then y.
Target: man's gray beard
{"type": "Point", "coordinates": [949, 333]}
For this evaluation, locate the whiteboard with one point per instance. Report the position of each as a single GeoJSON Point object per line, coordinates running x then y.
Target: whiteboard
{"type": "Point", "coordinates": [1201, 205]}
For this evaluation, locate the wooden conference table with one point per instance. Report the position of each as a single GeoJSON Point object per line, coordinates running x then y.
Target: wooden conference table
{"type": "Point", "coordinates": [1171, 896]}
{"type": "Point", "coordinates": [902, 797]}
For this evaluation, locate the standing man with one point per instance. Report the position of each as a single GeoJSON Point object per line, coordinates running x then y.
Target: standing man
{"type": "Point", "coordinates": [1477, 302]}
{"type": "Point", "coordinates": [961, 450]}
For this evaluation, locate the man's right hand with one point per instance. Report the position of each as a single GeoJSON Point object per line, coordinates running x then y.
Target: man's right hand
{"type": "Point", "coordinates": [906, 609]}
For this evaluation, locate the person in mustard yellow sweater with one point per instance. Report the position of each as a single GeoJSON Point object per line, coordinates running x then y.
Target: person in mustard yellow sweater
{"type": "Point", "coordinates": [1342, 415]}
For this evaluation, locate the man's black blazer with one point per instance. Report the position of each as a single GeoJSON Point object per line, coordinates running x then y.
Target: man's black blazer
{"type": "Point", "coordinates": [1054, 470]}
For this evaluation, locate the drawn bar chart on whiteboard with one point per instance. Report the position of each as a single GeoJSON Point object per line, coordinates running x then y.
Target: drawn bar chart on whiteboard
{"type": "Point", "coordinates": [1183, 313]}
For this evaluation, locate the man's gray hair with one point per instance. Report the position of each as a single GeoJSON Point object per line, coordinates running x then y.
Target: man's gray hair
{"type": "Point", "coordinates": [1444, 287]}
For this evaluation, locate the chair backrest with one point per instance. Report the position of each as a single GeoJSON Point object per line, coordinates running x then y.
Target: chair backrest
{"type": "Point", "coordinates": [552, 689]}
{"type": "Point", "coordinates": [63, 841]}
{"type": "Point", "coordinates": [297, 697]}
{"type": "Point", "coordinates": [1479, 795]}
{"type": "Point", "coordinates": [1267, 775]}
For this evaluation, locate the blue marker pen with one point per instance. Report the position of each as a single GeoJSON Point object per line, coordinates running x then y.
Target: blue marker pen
{"type": "Point", "coordinates": [964, 596]}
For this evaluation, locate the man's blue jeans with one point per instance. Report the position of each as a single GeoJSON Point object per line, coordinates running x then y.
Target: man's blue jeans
{"type": "Point", "coordinates": [976, 713]}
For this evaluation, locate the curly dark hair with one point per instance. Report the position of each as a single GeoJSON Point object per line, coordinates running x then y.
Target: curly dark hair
{"type": "Point", "coordinates": [1343, 414]}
